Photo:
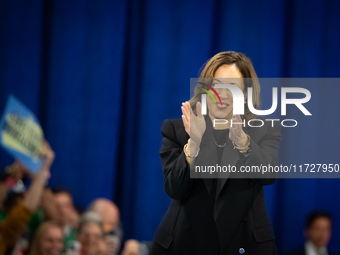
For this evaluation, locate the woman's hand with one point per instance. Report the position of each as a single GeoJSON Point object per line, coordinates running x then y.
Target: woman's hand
{"type": "Point", "coordinates": [236, 133]}
{"type": "Point", "coordinates": [47, 155]}
{"type": "Point", "coordinates": [18, 170]}
{"type": "Point", "coordinates": [194, 125]}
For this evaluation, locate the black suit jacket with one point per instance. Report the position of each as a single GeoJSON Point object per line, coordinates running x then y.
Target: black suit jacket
{"type": "Point", "coordinates": [238, 219]}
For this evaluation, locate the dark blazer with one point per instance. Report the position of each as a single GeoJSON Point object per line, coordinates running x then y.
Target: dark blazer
{"type": "Point", "coordinates": [237, 221]}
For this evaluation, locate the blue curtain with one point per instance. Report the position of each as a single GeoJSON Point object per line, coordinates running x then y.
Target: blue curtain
{"type": "Point", "coordinates": [102, 76]}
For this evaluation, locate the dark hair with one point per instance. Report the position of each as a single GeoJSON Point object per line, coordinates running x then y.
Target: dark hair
{"type": "Point", "coordinates": [317, 214]}
{"type": "Point", "coordinates": [3, 176]}
{"type": "Point", "coordinates": [245, 67]}
{"type": "Point", "coordinates": [60, 189]}
{"type": "Point", "coordinates": [12, 200]}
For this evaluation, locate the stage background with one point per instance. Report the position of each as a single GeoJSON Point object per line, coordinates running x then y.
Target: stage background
{"type": "Point", "coordinates": [103, 75]}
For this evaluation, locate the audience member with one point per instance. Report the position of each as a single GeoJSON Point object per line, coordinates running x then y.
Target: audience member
{"type": "Point", "coordinates": [48, 240]}
{"type": "Point", "coordinates": [109, 214]}
{"type": "Point", "coordinates": [68, 216]}
{"type": "Point", "coordinates": [14, 177]}
{"type": "Point", "coordinates": [17, 219]}
{"type": "Point", "coordinates": [134, 247]}
{"type": "Point", "coordinates": [90, 234]}
{"type": "Point", "coordinates": [131, 247]}
{"type": "Point", "coordinates": [318, 230]}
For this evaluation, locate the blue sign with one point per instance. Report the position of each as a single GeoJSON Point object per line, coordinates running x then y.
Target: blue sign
{"type": "Point", "coordinates": [21, 134]}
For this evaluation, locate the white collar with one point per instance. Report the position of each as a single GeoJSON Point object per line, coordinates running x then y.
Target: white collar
{"type": "Point", "coordinates": [310, 249]}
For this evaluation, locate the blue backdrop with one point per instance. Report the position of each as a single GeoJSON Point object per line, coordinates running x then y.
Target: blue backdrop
{"type": "Point", "coordinates": [103, 75]}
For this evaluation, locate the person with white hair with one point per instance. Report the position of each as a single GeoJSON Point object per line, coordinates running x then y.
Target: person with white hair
{"type": "Point", "coordinates": [110, 216]}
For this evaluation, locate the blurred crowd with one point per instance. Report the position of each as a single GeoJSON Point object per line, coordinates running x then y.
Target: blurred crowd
{"type": "Point", "coordinates": [39, 220]}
